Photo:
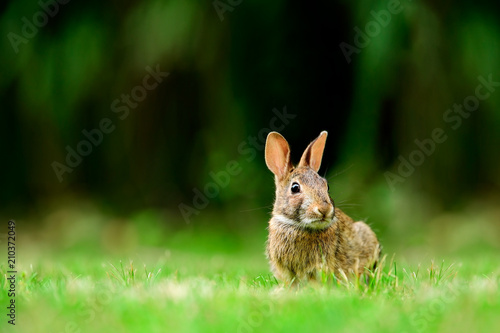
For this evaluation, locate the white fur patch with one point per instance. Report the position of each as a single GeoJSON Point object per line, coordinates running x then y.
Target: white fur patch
{"type": "Point", "coordinates": [285, 220]}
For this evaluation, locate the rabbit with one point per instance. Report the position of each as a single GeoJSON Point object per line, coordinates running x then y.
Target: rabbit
{"type": "Point", "coordinates": [308, 235]}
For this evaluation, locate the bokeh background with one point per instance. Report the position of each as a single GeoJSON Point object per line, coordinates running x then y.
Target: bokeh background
{"type": "Point", "coordinates": [232, 66]}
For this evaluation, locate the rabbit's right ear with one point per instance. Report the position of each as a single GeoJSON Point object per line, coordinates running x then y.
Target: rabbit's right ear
{"type": "Point", "coordinates": [314, 152]}
{"type": "Point", "coordinates": [278, 155]}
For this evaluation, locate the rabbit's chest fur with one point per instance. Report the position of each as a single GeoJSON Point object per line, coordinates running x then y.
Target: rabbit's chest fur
{"type": "Point", "coordinates": [302, 253]}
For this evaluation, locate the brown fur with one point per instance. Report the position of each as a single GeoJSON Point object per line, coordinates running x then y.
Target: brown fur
{"type": "Point", "coordinates": [307, 234]}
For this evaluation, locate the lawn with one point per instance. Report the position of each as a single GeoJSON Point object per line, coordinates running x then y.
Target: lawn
{"type": "Point", "coordinates": [201, 281]}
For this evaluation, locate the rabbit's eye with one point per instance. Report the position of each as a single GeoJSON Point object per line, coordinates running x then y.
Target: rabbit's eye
{"type": "Point", "coordinates": [295, 188]}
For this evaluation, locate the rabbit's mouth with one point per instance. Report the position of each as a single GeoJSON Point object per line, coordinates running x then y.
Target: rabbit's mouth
{"type": "Point", "coordinates": [308, 223]}
{"type": "Point", "coordinates": [318, 223]}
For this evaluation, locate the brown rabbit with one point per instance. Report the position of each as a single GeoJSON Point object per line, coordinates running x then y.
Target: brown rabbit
{"type": "Point", "coordinates": [307, 234]}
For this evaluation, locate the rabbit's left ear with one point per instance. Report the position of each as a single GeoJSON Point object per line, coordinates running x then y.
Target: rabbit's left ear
{"type": "Point", "coordinates": [314, 152]}
{"type": "Point", "coordinates": [278, 155]}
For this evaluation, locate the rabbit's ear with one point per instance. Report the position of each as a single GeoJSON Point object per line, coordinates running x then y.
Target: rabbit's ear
{"type": "Point", "coordinates": [278, 155]}
{"type": "Point", "coordinates": [314, 152]}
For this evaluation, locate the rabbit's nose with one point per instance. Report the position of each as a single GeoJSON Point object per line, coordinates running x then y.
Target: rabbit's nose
{"type": "Point", "coordinates": [324, 210]}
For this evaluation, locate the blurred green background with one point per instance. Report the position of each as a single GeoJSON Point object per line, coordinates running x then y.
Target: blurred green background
{"type": "Point", "coordinates": [232, 67]}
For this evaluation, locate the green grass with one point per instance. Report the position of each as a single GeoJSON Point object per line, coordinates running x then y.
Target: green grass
{"type": "Point", "coordinates": [82, 271]}
{"type": "Point", "coordinates": [155, 290]}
